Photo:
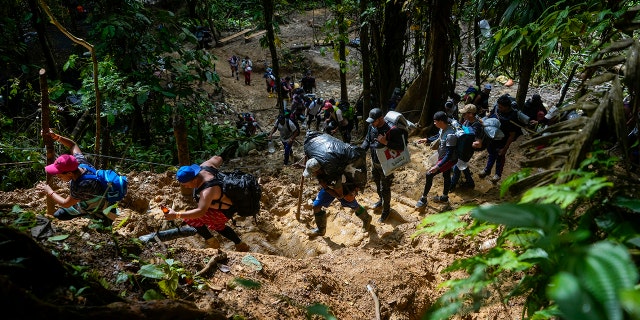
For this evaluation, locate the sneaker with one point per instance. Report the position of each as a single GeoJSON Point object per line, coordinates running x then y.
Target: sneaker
{"type": "Point", "coordinates": [495, 178]}
{"type": "Point", "coordinates": [483, 174]}
{"type": "Point", "coordinates": [384, 216]}
{"type": "Point", "coordinates": [377, 205]}
{"type": "Point", "coordinates": [442, 198]}
{"type": "Point", "coordinates": [242, 247]}
{"type": "Point", "coordinates": [421, 203]}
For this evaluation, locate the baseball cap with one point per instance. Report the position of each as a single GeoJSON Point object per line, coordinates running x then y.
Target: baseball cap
{"type": "Point", "coordinates": [468, 108]}
{"type": "Point", "coordinates": [311, 167]}
{"type": "Point", "coordinates": [327, 105]}
{"type": "Point", "coordinates": [187, 173]}
{"type": "Point", "coordinates": [64, 163]}
{"type": "Point", "coordinates": [374, 114]}
{"type": "Point", "coordinates": [488, 86]}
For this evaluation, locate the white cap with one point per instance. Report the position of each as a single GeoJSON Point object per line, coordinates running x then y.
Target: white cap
{"type": "Point", "coordinates": [311, 167]}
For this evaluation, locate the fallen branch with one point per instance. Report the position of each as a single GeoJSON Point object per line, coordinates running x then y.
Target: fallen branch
{"type": "Point", "coordinates": [375, 300]}
{"type": "Point", "coordinates": [212, 262]}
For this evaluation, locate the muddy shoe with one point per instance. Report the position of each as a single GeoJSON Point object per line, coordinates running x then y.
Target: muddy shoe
{"type": "Point", "coordinates": [495, 178]}
{"type": "Point", "coordinates": [441, 199]}
{"type": "Point", "coordinates": [212, 243]}
{"type": "Point", "coordinates": [366, 221]}
{"type": "Point", "coordinates": [242, 247]}
{"type": "Point", "coordinates": [483, 174]}
{"type": "Point", "coordinates": [377, 205]}
{"type": "Point", "coordinates": [316, 232]}
{"type": "Point", "coordinates": [421, 203]}
{"type": "Point", "coordinates": [384, 216]}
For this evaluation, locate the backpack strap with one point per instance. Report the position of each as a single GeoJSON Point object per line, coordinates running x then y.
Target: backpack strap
{"type": "Point", "coordinates": [210, 183]}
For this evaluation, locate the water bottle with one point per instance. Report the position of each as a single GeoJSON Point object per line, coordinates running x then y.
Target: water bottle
{"type": "Point", "coordinates": [271, 147]}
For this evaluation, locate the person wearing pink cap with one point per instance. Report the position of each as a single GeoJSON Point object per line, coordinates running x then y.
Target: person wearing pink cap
{"type": "Point", "coordinates": [214, 207]}
{"type": "Point", "coordinates": [86, 196]}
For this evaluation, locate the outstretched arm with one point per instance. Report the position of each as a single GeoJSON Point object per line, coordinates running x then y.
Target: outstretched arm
{"type": "Point", "coordinates": [72, 145]}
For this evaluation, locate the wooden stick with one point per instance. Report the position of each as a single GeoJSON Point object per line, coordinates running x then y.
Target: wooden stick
{"type": "Point", "coordinates": [300, 198]}
{"type": "Point", "coordinates": [375, 300]}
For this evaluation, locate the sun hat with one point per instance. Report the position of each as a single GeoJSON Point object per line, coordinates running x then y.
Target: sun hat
{"type": "Point", "coordinates": [187, 173]}
{"type": "Point", "coordinates": [468, 108]}
{"type": "Point", "coordinates": [64, 163]}
{"type": "Point", "coordinates": [374, 114]}
{"type": "Point", "coordinates": [311, 167]}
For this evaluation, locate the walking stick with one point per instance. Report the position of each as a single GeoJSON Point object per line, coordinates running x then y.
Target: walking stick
{"type": "Point", "coordinates": [300, 193]}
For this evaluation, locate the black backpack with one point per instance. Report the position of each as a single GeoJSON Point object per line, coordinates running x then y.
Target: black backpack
{"type": "Point", "coordinates": [242, 188]}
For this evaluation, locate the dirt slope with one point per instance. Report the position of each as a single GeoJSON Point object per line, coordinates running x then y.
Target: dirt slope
{"type": "Point", "coordinates": [295, 272]}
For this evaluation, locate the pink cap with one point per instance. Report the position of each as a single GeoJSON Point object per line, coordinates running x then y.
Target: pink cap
{"type": "Point", "coordinates": [64, 163]}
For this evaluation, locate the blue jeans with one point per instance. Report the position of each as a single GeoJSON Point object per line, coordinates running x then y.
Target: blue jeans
{"type": "Point", "coordinates": [493, 149]}
{"type": "Point", "coordinates": [456, 176]}
{"type": "Point", "coordinates": [287, 151]}
{"type": "Point", "coordinates": [324, 199]}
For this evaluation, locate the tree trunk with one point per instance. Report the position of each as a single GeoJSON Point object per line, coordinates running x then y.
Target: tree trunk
{"type": "Point", "coordinates": [267, 7]}
{"type": "Point", "coordinates": [390, 55]}
{"type": "Point", "coordinates": [529, 58]}
{"type": "Point", "coordinates": [366, 62]}
{"type": "Point", "coordinates": [342, 54]}
{"type": "Point", "coordinates": [427, 92]}
{"type": "Point", "coordinates": [182, 144]}
{"type": "Point", "coordinates": [40, 26]}
{"type": "Point", "coordinates": [48, 142]}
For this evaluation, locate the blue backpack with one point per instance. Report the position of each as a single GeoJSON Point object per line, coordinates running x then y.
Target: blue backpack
{"type": "Point", "coordinates": [115, 185]}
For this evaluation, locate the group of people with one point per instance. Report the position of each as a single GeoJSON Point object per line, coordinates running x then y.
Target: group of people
{"type": "Point", "coordinates": [246, 65]}
{"type": "Point", "coordinates": [86, 195]}
{"type": "Point", "coordinates": [511, 123]}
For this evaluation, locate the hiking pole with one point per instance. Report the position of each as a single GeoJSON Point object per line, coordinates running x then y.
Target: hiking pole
{"type": "Point", "coordinates": [300, 193]}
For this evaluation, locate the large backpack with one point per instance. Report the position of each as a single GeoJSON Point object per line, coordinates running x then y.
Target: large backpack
{"type": "Point", "coordinates": [115, 185]}
{"type": "Point", "coordinates": [466, 136]}
{"type": "Point", "coordinates": [242, 188]}
{"type": "Point", "coordinates": [348, 112]}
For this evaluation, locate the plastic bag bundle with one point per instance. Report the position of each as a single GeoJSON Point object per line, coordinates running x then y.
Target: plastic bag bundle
{"type": "Point", "coordinates": [337, 157]}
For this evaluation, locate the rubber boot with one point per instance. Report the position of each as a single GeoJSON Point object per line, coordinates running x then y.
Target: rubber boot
{"type": "Point", "coordinates": [365, 217]}
{"type": "Point", "coordinates": [321, 223]}
{"type": "Point", "coordinates": [170, 234]}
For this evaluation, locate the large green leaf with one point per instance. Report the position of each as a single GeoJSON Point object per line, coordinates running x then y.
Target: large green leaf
{"type": "Point", "coordinates": [572, 300]}
{"type": "Point", "coordinates": [152, 271]}
{"type": "Point", "coordinates": [527, 215]}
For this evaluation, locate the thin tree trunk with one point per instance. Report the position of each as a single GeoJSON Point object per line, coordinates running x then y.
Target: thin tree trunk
{"type": "Point", "coordinates": [39, 24]}
{"type": "Point", "coordinates": [267, 7]}
{"type": "Point", "coordinates": [182, 144]}
{"type": "Point", "coordinates": [342, 54]}
{"type": "Point", "coordinates": [366, 62]}
{"type": "Point", "coordinates": [48, 142]}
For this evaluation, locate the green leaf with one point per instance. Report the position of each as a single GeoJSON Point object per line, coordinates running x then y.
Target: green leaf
{"type": "Point", "coordinates": [628, 203]}
{"type": "Point", "coordinates": [152, 295]}
{"type": "Point", "coordinates": [543, 216]}
{"type": "Point", "coordinates": [630, 300]}
{"type": "Point", "coordinates": [572, 300]}
{"type": "Point", "coordinates": [321, 310]}
{"type": "Point", "coordinates": [247, 283]}
{"type": "Point", "coordinates": [58, 237]}
{"type": "Point", "coordinates": [152, 271]}
{"type": "Point", "coordinates": [443, 223]}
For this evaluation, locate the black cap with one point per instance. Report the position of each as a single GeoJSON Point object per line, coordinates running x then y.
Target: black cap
{"type": "Point", "coordinates": [374, 114]}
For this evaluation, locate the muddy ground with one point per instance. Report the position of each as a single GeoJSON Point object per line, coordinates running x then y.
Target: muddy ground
{"type": "Point", "coordinates": [335, 270]}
